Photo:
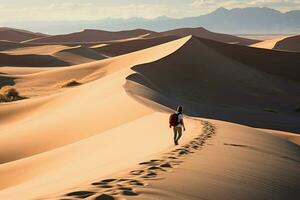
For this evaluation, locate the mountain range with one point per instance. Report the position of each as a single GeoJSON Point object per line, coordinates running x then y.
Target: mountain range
{"type": "Point", "coordinates": [252, 20]}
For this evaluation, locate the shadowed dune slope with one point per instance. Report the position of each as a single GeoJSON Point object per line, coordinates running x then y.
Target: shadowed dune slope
{"type": "Point", "coordinates": [203, 33]}
{"type": "Point", "coordinates": [283, 64]}
{"type": "Point", "coordinates": [48, 55]}
{"type": "Point", "coordinates": [289, 44]}
{"type": "Point", "coordinates": [90, 35]}
{"type": "Point", "coordinates": [79, 55]}
{"type": "Point", "coordinates": [16, 35]}
{"type": "Point", "coordinates": [125, 47]}
{"type": "Point", "coordinates": [30, 60]}
{"type": "Point", "coordinates": [27, 49]}
{"type": "Point", "coordinates": [256, 87]}
{"type": "Point", "coordinates": [7, 45]}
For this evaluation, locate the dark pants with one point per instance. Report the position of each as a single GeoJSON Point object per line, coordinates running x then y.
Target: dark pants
{"type": "Point", "coordinates": [177, 134]}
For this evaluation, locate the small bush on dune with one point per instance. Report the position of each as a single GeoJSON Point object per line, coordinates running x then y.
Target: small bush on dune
{"type": "Point", "coordinates": [9, 93]}
{"type": "Point", "coordinates": [70, 83]}
{"type": "Point", "coordinates": [297, 109]}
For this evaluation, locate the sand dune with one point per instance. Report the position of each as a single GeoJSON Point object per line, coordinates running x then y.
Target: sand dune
{"type": "Point", "coordinates": [295, 138]}
{"type": "Point", "coordinates": [89, 35]}
{"type": "Point", "coordinates": [30, 60]}
{"type": "Point", "coordinates": [119, 48]}
{"type": "Point", "coordinates": [49, 55]}
{"type": "Point", "coordinates": [17, 35]}
{"type": "Point", "coordinates": [79, 55]}
{"type": "Point", "coordinates": [37, 50]}
{"type": "Point", "coordinates": [266, 94]}
{"type": "Point", "coordinates": [203, 33]}
{"type": "Point", "coordinates": [268, 44]}
{"type": "Point", "coordinates": [48, 79]}
{"type": "Point", "coordinates": [289, 44]}
{"type": "Point", "coordinates": [67, 140]}
{"type": "Point", "coordinates": [37, 129]}
{"type": "Point", "coordinates": [7, 45]}
{"type": "Point", "coordinates": [12, 71]}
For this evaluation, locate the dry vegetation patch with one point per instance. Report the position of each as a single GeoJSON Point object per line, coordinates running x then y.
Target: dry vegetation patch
{"type": "Point", "coordinates": [70, 83]}
{"type": "Point", "coordinates": [9, 93]}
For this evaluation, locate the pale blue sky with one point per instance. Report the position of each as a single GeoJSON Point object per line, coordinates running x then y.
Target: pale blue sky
{"type": "Point", "coordinates": [53, 10]}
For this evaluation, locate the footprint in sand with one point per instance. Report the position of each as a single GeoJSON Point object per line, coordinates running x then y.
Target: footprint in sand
{"type": "Point", "coordinates": [105, 197]}
{"type": "Point", "coordinates": [129, 193]}
{"type": "Point", "coordinates": [137, 172]}
{"type": "Point", "coordinates": [80, 194]}
{"type": "Point", "coordinates": [104, 182]}
{"type": "Point", "coordinates": [136, 182]}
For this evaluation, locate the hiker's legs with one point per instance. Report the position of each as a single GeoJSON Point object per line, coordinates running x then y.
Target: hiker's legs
{"type": "Point", "coordinates": [175, 135]}
{"type": "Point", "coordinates": [179, 133]}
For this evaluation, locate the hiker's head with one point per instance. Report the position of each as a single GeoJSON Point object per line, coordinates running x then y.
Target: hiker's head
{"type": "Point", "coordinates": [179, 109]}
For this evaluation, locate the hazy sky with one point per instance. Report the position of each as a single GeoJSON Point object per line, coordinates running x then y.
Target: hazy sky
{"type": "Point", "coordinates": [52, 10]}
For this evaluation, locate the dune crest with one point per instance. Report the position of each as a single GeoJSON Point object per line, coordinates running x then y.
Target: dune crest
{"type": "Point", "coordinates": [90, 35]}
{"type": "Point", "coordinates": [268, 44]}
{"type": "Point", "coordinates": [17, 35]}
{"type": "Point", "coordinates": [289, 44]}
{"type": "Point", "coordinates": [203, 33]}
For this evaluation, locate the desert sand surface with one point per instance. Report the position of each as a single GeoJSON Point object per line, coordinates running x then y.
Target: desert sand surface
{"type": "Point", "coordinates": [295, 138]}
{"type": "Point", "coordinates": [289, 44]}
{"type": "Point", "coordinates": [108, 136]}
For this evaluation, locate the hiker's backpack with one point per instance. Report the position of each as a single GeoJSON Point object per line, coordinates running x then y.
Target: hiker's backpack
{"type": "Point", "coordinates": [173, 120]}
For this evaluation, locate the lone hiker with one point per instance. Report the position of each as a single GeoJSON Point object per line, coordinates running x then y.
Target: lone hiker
{"type": "Point", "coordinates": [176, 121]}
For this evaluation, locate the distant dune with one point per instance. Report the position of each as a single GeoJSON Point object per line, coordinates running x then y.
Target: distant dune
{"type": "Point", "coordinates": [268, 43]}
{"type": "Point", "coordinates": [89, 35]}
{"type": "Point", "coordinates": [48, 55]}
{"type": "Point", "coordinates": [203, 33]}
{"type": "Point", "coordinates": [78, 55]}
{"type": "Point", "coordinates": [16, 35]}
{"type": "Point", "coordinates": [289, 44]}
{"type": "Point", "coordinates": [94, 36]}
{"type": "Point", "coordinates": [119, 48]}
{"type": "Point", "coordinates": [7, 45]}
{"type": "Point", "coordinates": [30, 60]}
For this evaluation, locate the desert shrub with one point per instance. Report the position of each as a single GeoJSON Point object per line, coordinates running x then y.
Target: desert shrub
{"type": "Point", "coordinates": [9, 93]}
{"type": "Point", "coordinates": [70, 83]}
{"type": "Point", "coordinates": [297, 109]}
